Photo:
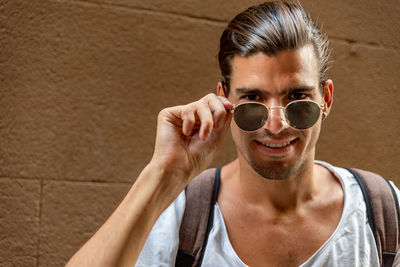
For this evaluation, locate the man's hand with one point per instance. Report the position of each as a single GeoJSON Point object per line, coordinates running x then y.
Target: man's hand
{"type": "Point", "coordinates": [188, 135]}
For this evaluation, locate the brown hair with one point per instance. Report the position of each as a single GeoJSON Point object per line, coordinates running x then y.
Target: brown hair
{"type": "Point", "coordinates": [271, 27]}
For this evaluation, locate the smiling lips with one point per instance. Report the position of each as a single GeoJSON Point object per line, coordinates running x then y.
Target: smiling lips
{"type": "Point", "coordinates": [276, 145]}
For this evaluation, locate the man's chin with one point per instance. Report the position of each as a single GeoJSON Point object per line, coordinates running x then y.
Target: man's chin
{"type": "Point", "coordinates": [274, 171]}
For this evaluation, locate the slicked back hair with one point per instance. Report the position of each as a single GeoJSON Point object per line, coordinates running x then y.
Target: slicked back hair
{"type": "Point", "coordinates": [270, 28]}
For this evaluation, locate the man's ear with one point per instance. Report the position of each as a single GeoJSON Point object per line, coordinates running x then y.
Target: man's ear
{"type": "Point", "coordinates": [328, 95]}
{"type": "Point", "coordinates": [220, 90]}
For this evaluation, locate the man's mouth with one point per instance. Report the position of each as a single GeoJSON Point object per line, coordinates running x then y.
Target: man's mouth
{"type": "Point", "coordinates": [277, 144]}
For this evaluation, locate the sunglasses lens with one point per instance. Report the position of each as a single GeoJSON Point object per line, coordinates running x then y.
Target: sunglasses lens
{"type": "Point", "coordinates": [250, 116]}
{"type": "Point", "coordinates": [302, 114]}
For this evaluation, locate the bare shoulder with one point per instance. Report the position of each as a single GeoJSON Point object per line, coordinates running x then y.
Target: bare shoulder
{"type": "Point", "coordinates": [227, 183]}
{"type": "Point", "coordinates": [331, 195]}
{"type": "Point", "coordinates": [328, 180]}
{"type": "Point", "coordinates": [230, 168]}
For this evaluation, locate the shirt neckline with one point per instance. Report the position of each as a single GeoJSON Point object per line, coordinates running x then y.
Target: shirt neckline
{"type": "Point", "coordinates": [219, 215]}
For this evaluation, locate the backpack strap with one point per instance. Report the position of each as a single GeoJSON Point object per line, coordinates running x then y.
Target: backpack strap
{"type": "Point", "coordinates": [382, 211]}
{"type": "Point", "coordinates": [201, 195]}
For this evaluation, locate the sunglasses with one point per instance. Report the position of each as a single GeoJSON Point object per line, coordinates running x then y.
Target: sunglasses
{"type": "Point", "coordinates": [299, 114]}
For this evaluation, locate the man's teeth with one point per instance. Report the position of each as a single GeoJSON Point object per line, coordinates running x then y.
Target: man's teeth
{"type": "Point", "coordinates": [276, 145]}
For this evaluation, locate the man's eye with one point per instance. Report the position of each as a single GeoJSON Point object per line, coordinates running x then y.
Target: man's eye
{"type": "Point", "coordinates": [251, 97]}
{"type": "Point", "coordinates": [298, 96]}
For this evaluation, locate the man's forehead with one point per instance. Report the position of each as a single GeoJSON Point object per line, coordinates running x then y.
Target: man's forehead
{"type": "Point", "coordinates": [298, 66]}
{"type": "Point", "coordinates": [292, 59]}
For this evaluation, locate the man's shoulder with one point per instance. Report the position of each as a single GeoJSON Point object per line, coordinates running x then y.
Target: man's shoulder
{"type": "Point", "coordinates": [381, 199]}
{"type": "Point", "coordinates": [348, 172]}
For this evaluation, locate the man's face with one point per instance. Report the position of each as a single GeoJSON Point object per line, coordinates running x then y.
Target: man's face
{"type": "Point", "coordinates": [276, 150]}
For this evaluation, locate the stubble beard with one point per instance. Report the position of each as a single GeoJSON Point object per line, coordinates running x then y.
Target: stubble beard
{"type": "Point", "coordinates": [273, 171]}
{"type": "Point", "coordinates": [270, 170]}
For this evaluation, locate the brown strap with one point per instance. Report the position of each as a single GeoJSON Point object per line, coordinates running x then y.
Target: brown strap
{"type": "Point", "coordinates": [383, 206]}
{"type": "Point", "coordinates": [199, 194]}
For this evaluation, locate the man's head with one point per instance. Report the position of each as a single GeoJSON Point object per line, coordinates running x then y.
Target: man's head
{"type": "Point", "coordinates": [270, 28]}
{"type": "Point", "coordinates": [274, 55]}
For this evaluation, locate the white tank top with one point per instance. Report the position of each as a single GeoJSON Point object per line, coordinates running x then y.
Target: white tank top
{"type": "Point", "coordinates": [352, 243]}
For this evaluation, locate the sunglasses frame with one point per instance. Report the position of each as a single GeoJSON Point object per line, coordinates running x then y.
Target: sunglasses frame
{"type": "Point", "coordinates": [321, 107]}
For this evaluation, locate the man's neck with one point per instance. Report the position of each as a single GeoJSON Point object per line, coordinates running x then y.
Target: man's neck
{"type": "Point", "coordinates": [279, 195]}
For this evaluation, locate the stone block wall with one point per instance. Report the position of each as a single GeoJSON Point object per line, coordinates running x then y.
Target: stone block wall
{"type": "Point", "coordinates": [82, 82]}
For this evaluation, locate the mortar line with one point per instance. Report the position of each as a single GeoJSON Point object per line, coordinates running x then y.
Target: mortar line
{"type": "Point", "coordinates": [151, 11]}
{"type": "Point", "coordinates": [42, 180]}
{"type": "Point", "coordinates": [40, 223]}
{"type": "Point", "coordinates": [368, 45]}
{"type": "Point", "coordinates": [211, 20]}
{"type": "Point", "coordinates": [89, 181]}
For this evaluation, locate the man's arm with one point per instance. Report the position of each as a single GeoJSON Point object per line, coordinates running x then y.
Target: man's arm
{"type": "Point", "coordinates": [187, 137]}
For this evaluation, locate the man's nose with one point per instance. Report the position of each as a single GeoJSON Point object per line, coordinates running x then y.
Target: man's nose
{"type": "Point", "coordinates": [276, 121]}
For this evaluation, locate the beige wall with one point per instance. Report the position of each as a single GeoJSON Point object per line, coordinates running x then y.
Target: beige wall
{"type": "Point", "coordinates": [82, 83]}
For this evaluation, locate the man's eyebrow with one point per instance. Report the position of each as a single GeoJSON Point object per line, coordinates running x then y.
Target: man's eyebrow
{"type": "Point", "coordinates": [290, 90]}
{"type": "Point", "coordinates": [300, 88]}
{"type": "Point", "coordinates": [245, 90]}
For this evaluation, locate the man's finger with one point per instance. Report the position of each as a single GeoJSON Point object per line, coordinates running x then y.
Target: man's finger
{"type": "Point", "coordinates": [218, 111]}
{"type": "Point", "coordinates": [206, 119]}
{"type": "Point", "coordinates": [188, 119]}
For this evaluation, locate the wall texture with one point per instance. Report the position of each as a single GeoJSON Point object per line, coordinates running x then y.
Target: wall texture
{"type": "Point", "coordinates": [82, 82]}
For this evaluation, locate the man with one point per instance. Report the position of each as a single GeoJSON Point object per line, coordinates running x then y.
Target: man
{"type": "Point", "coordinates": [276, 206]}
